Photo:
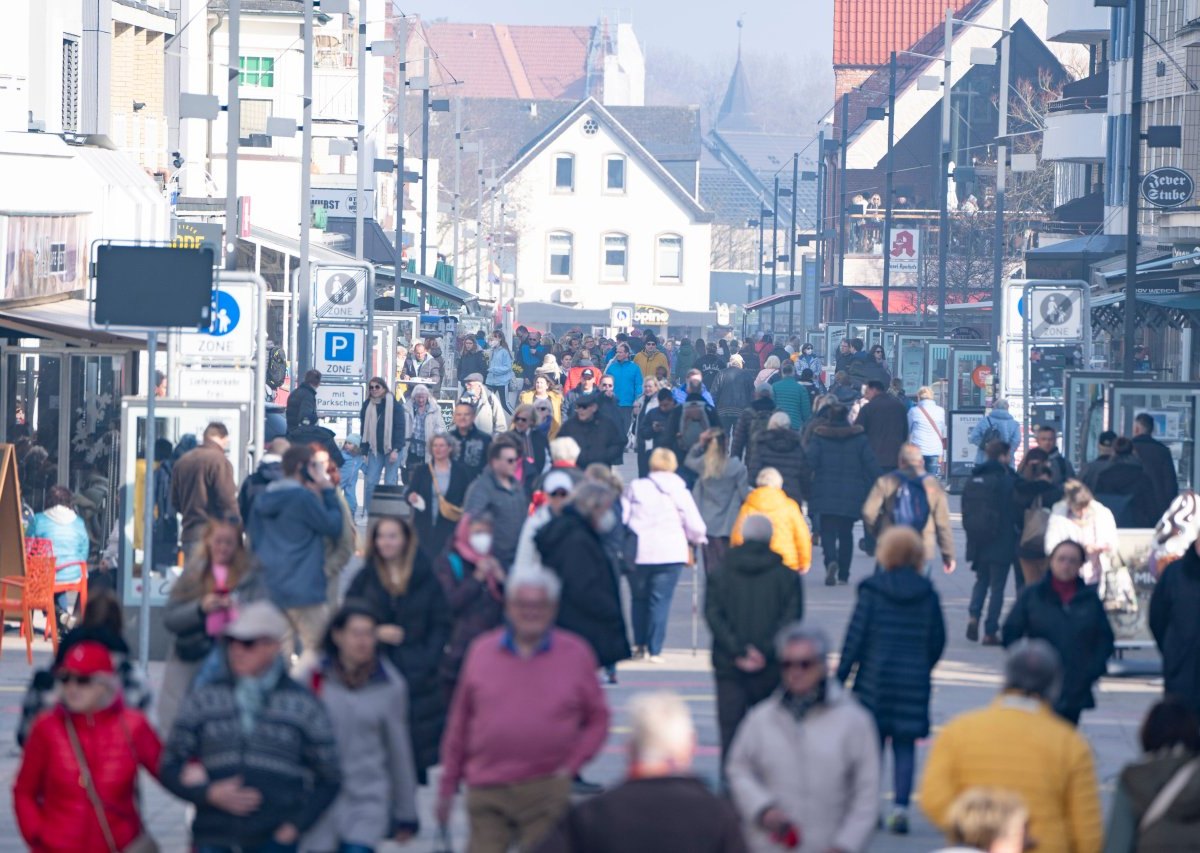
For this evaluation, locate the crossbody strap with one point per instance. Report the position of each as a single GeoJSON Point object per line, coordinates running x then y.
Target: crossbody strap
{"type": "Point", "coordinates": [931, 423]}
{"type": "Point", "coordinates": [1169, 793]}
{"type": "Point", "coordinates": [85, 782]}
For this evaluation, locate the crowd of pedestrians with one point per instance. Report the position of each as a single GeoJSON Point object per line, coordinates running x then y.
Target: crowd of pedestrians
{"type": "Point", "coordinates": [317, 676]}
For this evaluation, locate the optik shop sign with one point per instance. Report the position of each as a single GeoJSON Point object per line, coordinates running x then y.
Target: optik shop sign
{"type": "Point", "coordinates": [1167, 187]}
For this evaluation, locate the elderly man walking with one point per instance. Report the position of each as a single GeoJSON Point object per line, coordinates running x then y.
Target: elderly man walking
{"type": "Point", "coordinates": [1018, 743]}
{"type": "Point", "coordinates": [528, 713]}
{"type": "Point", "coordinates": [910, 497]}
{"type": "Point", "coordinates": [804, 765]}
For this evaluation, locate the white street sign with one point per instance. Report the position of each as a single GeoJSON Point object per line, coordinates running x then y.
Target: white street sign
{"type": "Point", "coordinates": [338, 352]}
{"type": "Point", "coordinates": [621, 316]}
{"type": "Point", "coordinates": [333, 400]}
{"type": "Point", "coordinates": [905, 250]}
{"type": "Point", "coordinates": [231, 336]}
{"type": "Point", "coordinates": [1055, 314]}
{"type": "Point", "coordinates": [223, 384]}
{"type": "Point", "coordinates": [342, 201]}
{"type": "Point", "coordinates": [340, 293]}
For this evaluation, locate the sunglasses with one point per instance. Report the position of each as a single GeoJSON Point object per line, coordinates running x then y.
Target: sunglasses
{"type": "Point", "coordinates": [559, 493]}
{"type": "Point", "coordinates": [520, 420]}
{"type": "Point", "coordinates": [73, 678]}
{"type": "Point", "coordinates": [375, 387]}
{"type": "Point", "coordinates": [246, 644]}
{"type": "Point", "coordinates": [802, 664]}
{"type": "Point", "coordinates": [509, 460]}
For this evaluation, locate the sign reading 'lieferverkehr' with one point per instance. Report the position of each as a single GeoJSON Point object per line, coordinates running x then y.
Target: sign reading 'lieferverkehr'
{"type": "Point", "coordinates": [1167, 187]}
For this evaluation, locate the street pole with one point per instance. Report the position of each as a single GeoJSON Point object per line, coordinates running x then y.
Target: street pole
{"type": "Point", "coordinates": [457, 202]}
{"type": "Point", "coordinates": [304, 339]}
{"type": "Point", "coordinates": [943, 183]}
{"type": "Point", "coordinates": [812, 299]}
{"type": "Point", "coordinates": [774, 249]}
{"type": "Point", "coordinates": [1001, 177]}
{"type": "Point", "coordinates": [761, 214]}
{"type": "Point", "coordinates": [792, 247]}
{"type": "Point", "coordinates": [844, 296]}
{"type": "Point", "coordinates": [888, 199]}
{"type": "Point", "coordinates": [479, 218]}
{"type": "Point", "coordinates": [360, 186]}
{"type": "Point", "coordinates": [401, 127]}
{"type": "Point", "coordinates": [1131, 189]}
{"type": "Point", "coordinates": [425, 168]}
{"type": "Point", "coordinates": [148, 505]}
{"type": "Point", "coordinates": [233, 121]}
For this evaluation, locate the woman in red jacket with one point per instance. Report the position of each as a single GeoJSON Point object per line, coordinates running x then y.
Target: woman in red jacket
{"type": "Point", "coordinates": [90, 735]}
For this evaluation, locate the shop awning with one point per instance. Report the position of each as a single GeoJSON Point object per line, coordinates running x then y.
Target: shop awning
{"type": "Point", "coordinates": [1186, 301]}
{"type": "Point", "coordinates": [774, 299]}
{"type": "Point", "coordinates": [427, 283]}
{"type": "Point", "coordinates": [66, 320]}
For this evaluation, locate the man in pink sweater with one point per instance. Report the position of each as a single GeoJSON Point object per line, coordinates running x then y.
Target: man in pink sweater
{"type": "Point", "coordinates": [527, 714]}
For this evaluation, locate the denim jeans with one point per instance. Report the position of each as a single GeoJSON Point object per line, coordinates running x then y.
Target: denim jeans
{"type": "Point", "coordinates": [904, 767]}
{"type": "Point", "coordinates": [349, 476]}
{"type": "Point", "coordinates": [837, 541]}
{"type": "Point", "coordinates": [378, 463]}
{"type": "Point", "coordinates": [933, 465]}
{"type": "Point", "coordinates": [989, 577]}
{"type": "Point", "coordinates": [651, 589]}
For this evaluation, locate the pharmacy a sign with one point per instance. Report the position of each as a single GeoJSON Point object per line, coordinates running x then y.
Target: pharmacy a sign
{"type": "Point", "coordinates": [1168, 187]}
{"type": "Point", "coordinates": [904, 249]}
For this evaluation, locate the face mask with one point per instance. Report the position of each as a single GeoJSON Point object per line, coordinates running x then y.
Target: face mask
{"type": "Point", "coordinates": [607, 523]}
{"type": "Point", "coordinates": [481, 543]}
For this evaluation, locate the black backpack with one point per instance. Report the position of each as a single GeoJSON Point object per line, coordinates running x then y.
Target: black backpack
{"type": "Point", "coordinates": [981, 501]}
{"type": "Point", "coordinates": [276, 367]}
{"type": "Point", "coordinates": [991, 433]}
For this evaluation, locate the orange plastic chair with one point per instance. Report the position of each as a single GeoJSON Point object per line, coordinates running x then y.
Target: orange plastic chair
{"type": "Point", "coordinates": [41, 547]}
{"type": "Point", "coordinates": [32, 592]}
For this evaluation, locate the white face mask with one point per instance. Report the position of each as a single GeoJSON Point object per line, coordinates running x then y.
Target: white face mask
{"type": "Point", "coordinates": [606, 523]}
{"type": "Point", "coordinates": [481, 543]}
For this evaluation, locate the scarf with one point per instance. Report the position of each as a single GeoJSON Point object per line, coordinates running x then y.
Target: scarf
{"type": "Point", "coordinates": [399, 586]}
{"type": "Point", "coordinates": [371, 425]}
{"type": "Point", "coordinates": [353, 679]}
{"type": "Point", "coordinates": [250, 694]}
{"type": "Point", "coordinates": [799, 705]}
{"type": "Point", "coordinates": [462, 547]}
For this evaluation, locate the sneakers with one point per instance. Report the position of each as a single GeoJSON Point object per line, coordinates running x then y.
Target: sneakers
{"type": "Point", "coordinates": [990, 640]}
{"type": "Point", "coordinates": [639, 652]}
{"type": "Point", "coordinates": [656, 659]}
{"type": "Point", "coordinates": [897, 823]}
{"type": "Point", "coordinates": [831, 572]}
{"type": "Point", "coordinates": [973, 629]}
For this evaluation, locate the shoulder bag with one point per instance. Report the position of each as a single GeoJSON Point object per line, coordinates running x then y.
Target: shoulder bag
{"type": "Point", "coordinates": [1169, 793]}
{"type": "Point", "coordinates": [1033, 532]}
{"type": "Point", "coordinates": [448, 511]}
{"type": "Point", "coordinates": [937, 431]}
{"type": "Point", "coordinates": [145, 842]}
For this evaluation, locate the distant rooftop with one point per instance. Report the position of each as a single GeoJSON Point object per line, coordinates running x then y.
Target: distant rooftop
{"type": "Point", "coordinates": [865, 32]}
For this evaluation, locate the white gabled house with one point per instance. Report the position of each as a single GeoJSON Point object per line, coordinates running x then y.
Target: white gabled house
{"type": "Point", "coordinates": [596, 219]}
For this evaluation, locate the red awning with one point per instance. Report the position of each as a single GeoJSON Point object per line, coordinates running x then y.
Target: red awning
{"type": "Point", "coordinates": [899, 301]}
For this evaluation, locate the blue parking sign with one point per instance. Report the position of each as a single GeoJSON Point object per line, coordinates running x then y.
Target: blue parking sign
{"type": "Point", "coordinates": [339, 346]}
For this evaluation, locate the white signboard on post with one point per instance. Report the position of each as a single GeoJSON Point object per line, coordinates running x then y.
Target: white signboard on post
{"type": "Point", "coordinates": [215, 383]}
{"type": "Point", "coordinates": [334, 400]}
{"type": "Point", "coordinates": [1055, 314]}
{"type": "Point", "coordinates": [621, 317]}
{"type": "Point", "coordinates": [342, 201]}
{"type": "Point", "coordinates": [340, 293]}
{"type": "Point", "coordinates": [905, 250]}
{"type": "Point", "coordinates": [231, 336]}
{"type": "Point", "coordinates": [338, 352]}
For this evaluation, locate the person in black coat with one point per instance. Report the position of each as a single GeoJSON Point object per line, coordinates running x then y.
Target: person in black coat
{"type": "Point", "coordinates": [533, 445]}
{"type": "Point", "coordinates": [571, 547]}
{"type": "Point", "coordinates": [471, 360]}
{"type": "Point", "coordinates": [1067, 613]}
{"type": "Point", "coordinates": [993, 552]}
{"type": "Point", "coordinates": [653, 430]}
{"type": "Point", "coordinates": [1126, 489]}
{"type": "Point", "coordinates": [434, 522]}
{"type": "Point", "coordinates": [473, 581]}
{"type": "Point", "coordinates": [1158, 461]}
{"type": "Point", "coordinates": [843, 471]}
{"type": "Point", "coordinates": [778, 446]}
{"type": "Point", "coordinates": [895, 637]}
{"type": "Point", "coordinates": [301, 407]}
{"type": "Point", "coordinates": [598, 439]}
{"type": "Point", "coordinates": [885, 420]}
{"type": "Point", "coordinates": [732, 391]}
{"type": "Point", "coordinates": [1173, 621]}
{"type": "Point", "coordinates": [1035, 488]}
{"type": "Point", "coordinates": [396, 580]}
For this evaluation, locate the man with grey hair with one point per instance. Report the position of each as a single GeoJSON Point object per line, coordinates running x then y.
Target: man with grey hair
{"type": "Point", "coordinates": [996, 425]}
{"type": "Point", "coordinates": [751, 596]}
{"type": "Point", "coordinates": [753, 420]}
{"type": "Point", "coordinates": [527, 714]}
{"type": "Point", "coordinates": [908, 496]}
{"type": "Point", "coordinates": [661, 806]}
{"type": "Point", "coordinates": [1019, 743]}
{"type": "Point", "coordinates": [804, 765]}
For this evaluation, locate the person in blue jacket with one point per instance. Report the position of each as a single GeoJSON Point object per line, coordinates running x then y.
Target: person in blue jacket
{"type": "Point", "coordinates": [68, 536]}
{"type": "Point", "coordinates": [289, 525]}
{"type": "Point", "coordinates": [627, 377]}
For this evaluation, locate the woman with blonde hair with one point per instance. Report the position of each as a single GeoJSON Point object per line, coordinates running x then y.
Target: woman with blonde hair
{"type": "Point", "coordinates": [769, 372]}
{"type": "Point", "coordinates": [545, 388]}
{"type": "Point", "coordinates": [927, 430]}
{"type": "Point", "coordinates": [895, 637]}
{"type": "Point", "coordinates": [987, 820]}
{"type": "Point", "coordinates": [662, 513]}
{"type": "Point", "coordinates": [719, 491]}
{"type": "Point", "coordinates": [397, 580]}
{"type": "Point", "coordinates": [1079, 517]}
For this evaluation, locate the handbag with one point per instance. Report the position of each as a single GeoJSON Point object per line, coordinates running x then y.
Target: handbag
{"type": "Point", "coordinates": [448, 511]}
{"type": "Point", "coordinates": [1033, 532]}
{"type": "Point", "coordinates": [145, 842]}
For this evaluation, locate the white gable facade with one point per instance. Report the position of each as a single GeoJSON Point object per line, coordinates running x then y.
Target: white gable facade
{"type": "Point", "coordinates": [598, 221]}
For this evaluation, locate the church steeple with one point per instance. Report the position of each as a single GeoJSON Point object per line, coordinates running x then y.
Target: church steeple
{"type": "Point", "coordinates": [735, 112]}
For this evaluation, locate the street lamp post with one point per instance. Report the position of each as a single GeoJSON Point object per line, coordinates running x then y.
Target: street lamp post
{"type": "Point", "coordinates": [1131, 189]}
{"type": "Point", "coordinates": [792, 245]}
{"type": "Point", "coordinates": [761, 215]}
{"type": "Point", "coordinates": [1001, 177]}
{"type": "Point", "coordinates": [304, 288]}
{"type": "Point", "coordinates": [844, 296]}
{"type": "Point", "coordinates": [888, 200]}
{"type": "Point", "coordinates": [943, 179]}
{"type": "Point", "coordinates": [774, 248]}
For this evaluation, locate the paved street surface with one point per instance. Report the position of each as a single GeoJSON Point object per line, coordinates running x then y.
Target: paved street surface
{"type": "Point", "coordinates": [967, 677]}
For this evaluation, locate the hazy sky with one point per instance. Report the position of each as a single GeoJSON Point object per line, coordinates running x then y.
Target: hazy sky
{"type": "Point", "coordinates": [700, 27]}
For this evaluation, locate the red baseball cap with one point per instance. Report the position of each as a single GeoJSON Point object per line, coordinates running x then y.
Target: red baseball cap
{"type": "Point", "coordinates": [87, 658]}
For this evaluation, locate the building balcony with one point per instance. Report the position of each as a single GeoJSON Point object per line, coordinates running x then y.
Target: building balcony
{"type": "Point", "coordinates": [1077, 22]}
{"type": "Point", "coordinates": [1075, 136]}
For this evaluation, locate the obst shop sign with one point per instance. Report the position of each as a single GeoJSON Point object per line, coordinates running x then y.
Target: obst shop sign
{"type": "Point", "coordinates": [1167, 187]}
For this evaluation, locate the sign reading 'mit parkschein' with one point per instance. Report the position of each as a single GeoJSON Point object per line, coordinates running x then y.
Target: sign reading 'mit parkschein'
{"type": "Point", "coordinates": [1167, 187]}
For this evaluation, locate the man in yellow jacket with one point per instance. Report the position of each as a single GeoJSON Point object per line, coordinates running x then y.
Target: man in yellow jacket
{"type": "Point", "coordinates": [651, 358]}
{"type": "Point", "coordinates": [1019, 744]}
{"type": "Point", "coordinates": [790, 538]}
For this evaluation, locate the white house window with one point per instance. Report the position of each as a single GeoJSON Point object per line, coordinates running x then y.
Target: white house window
{"type": "Point", "coordinates": [254, 113]}
{"type": "Point", "coordinates": [616, 257]}
{"type": "Point", "coordinates": [561, 244]}
{"type": "Point", "coordinates": [614, 173]}
{"type": "Point", "coordinates": [564, 173]}
{"type": "Point", "coordinates": [670, 258]}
